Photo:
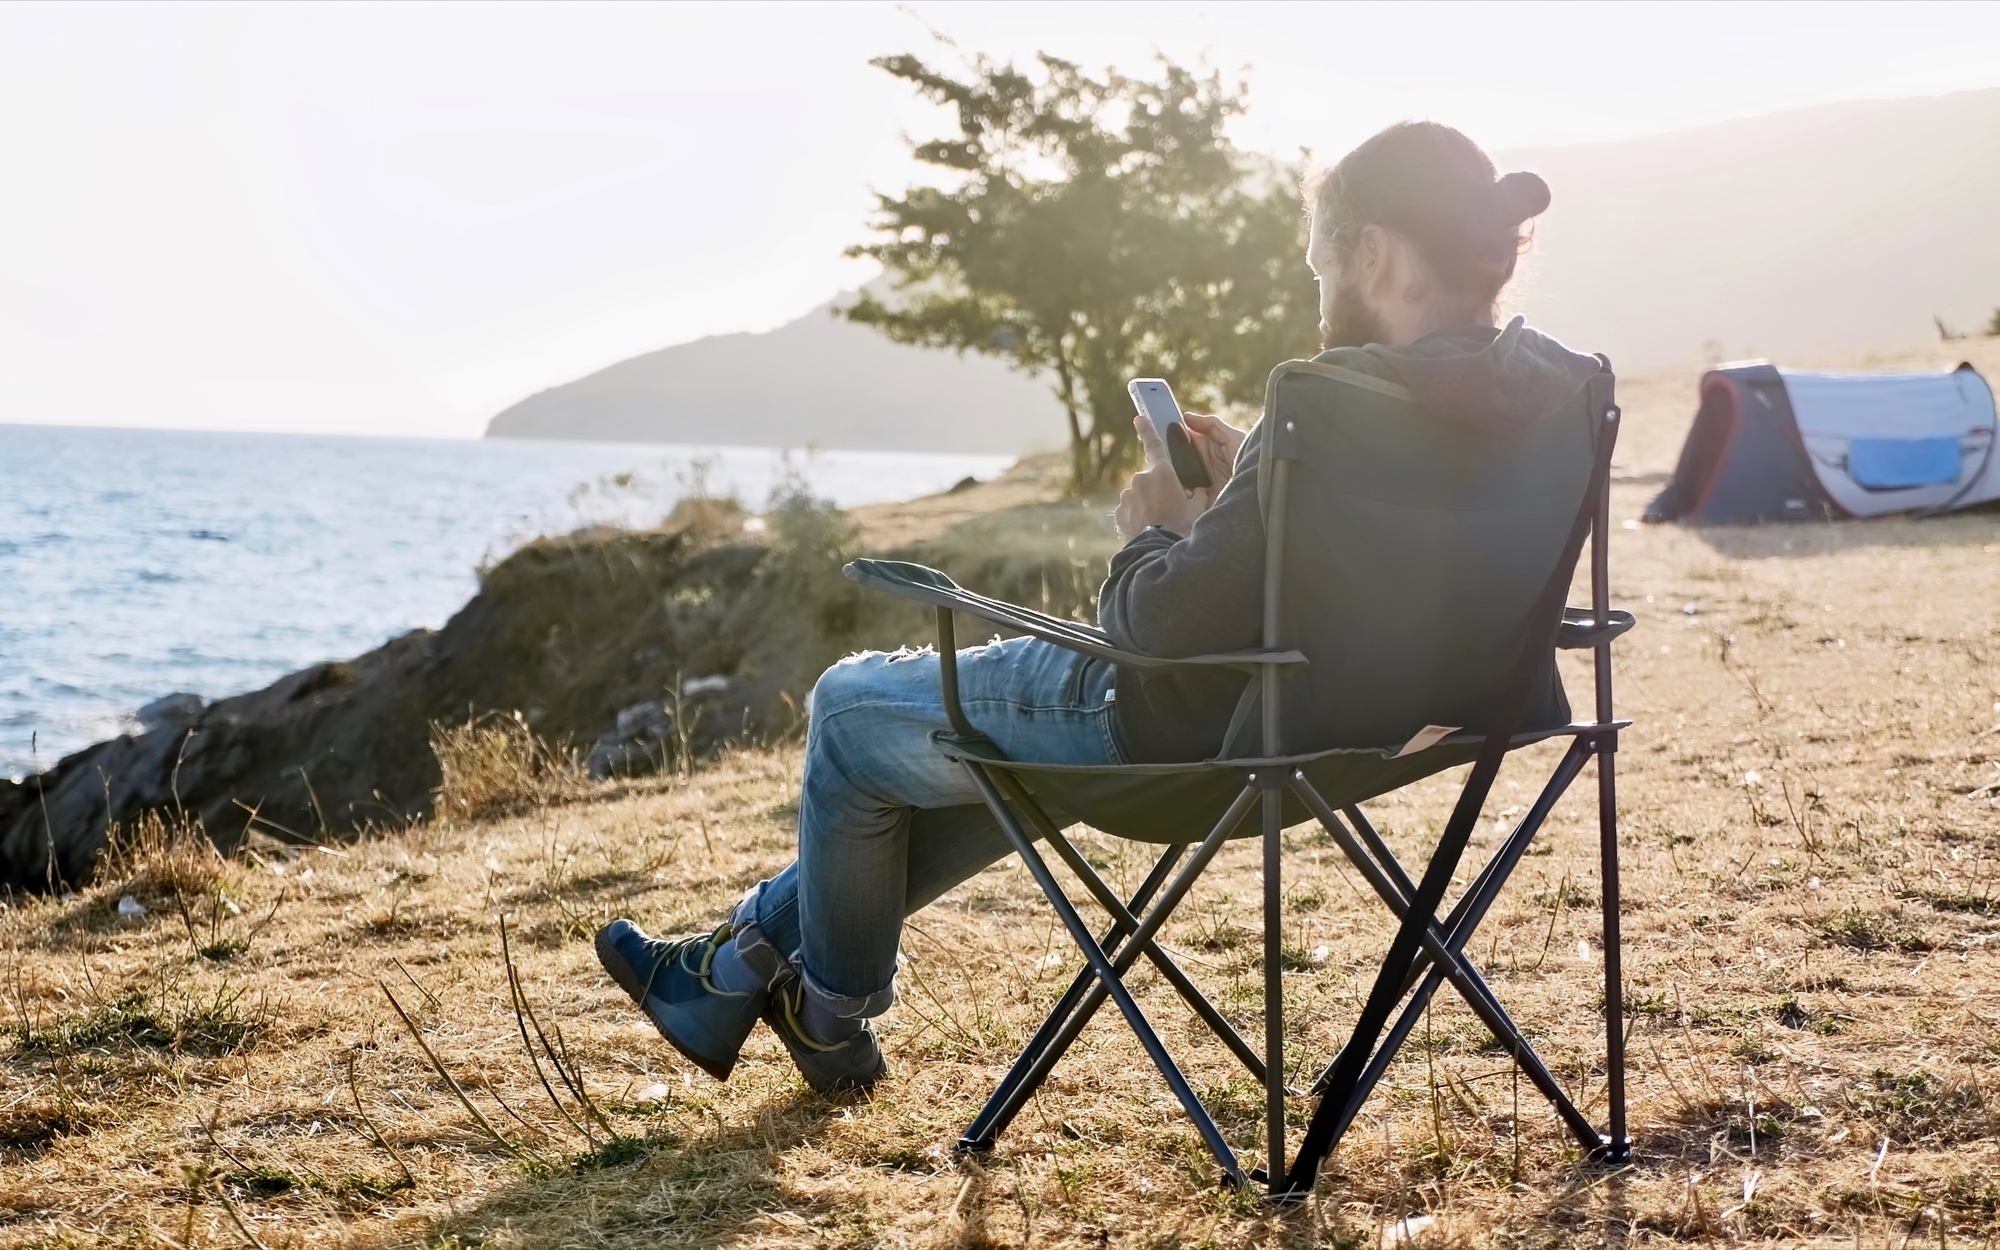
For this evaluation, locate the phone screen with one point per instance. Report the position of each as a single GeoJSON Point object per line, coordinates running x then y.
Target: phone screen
{"type": "Point", "coordinates": [1156, 399]}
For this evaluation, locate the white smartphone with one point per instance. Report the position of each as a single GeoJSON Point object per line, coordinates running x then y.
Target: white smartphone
{"type": "Point", "coordinates": [1155, 399]}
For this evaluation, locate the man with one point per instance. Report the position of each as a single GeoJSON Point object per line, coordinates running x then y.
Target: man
{"type": "Point", "coordinates": [1412, 240]}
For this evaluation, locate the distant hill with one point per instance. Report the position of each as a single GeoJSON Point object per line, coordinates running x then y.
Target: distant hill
{"type": "Point", "coordinates": [818, 380]}
{"type": "Point", "coordinates": [1822, 229]}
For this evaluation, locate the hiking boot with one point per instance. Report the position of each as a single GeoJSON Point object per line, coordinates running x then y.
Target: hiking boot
{"type": "Point", "coordinates": [853, 1064]}
{"type": "Point", "coordinates": [669, 980]}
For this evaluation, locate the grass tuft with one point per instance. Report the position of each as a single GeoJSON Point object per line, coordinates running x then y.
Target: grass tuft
{"type": "Point", "coordinates": [495, 765]}
{"type": "Point", "coordinates": [161, 856]}
{"type": "Point", "coordinates": [1866, 930]}
{"type": "Point", "coordinates": [617, 1152]}
{"type": "Point", "coordinates": [216, 1022]}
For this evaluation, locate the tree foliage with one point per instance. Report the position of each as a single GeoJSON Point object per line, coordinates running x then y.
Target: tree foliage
{"type": "Point", "coordinates": [1092, 230]}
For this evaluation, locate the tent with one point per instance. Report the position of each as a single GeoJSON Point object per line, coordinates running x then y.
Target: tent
{"type": "Point", "coordinates": [1772, 444]}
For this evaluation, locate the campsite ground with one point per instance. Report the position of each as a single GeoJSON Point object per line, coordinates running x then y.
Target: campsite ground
{"type": "Point", "coordinates": [1812, 883]}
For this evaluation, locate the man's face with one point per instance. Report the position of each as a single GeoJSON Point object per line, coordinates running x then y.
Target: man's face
{"type": "Point", "coordinates": [1345, 317]}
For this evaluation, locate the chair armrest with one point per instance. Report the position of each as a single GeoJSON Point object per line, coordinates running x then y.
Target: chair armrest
{"type": "Point", "coordinates": [1581, 629]}
{"type": "Point", "coordinates": [927, 585]}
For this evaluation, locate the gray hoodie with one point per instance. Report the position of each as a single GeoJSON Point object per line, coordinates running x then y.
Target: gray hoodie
{"type": "Point", "coordinates": [1168, 595]}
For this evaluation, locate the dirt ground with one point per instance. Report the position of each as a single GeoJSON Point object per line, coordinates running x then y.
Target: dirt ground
{"type": "Point", "coordinates": [1811, 833]}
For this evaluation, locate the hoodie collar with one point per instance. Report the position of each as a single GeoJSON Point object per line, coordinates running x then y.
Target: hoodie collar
{"type": "Point", "coordinates": [1500, 381]}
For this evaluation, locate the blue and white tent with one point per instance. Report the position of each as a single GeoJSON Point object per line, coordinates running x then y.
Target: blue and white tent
{"type": "Point", "coordinates": [1772, 444]}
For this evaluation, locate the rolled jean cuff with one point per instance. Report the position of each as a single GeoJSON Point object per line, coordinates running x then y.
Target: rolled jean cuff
{"type": "Point", "coordinates": [758, 952]}
{"type": "Point", "coordinates": [847, 1006]}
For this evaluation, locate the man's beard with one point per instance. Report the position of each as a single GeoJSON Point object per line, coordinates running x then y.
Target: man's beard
{"type": "Point", "coordinates": [1353, 324]}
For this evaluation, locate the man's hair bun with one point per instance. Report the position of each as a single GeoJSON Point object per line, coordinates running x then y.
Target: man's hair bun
{"type": "Point", "coordinates": [1521, 196]}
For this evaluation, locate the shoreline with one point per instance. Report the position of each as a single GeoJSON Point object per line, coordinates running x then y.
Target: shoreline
{"type": "Point", "coordinates": [144, 563]}
{"type": "Point", "coordinates": [587, 637]}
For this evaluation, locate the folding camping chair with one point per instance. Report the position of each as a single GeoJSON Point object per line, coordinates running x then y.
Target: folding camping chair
{"type": "Point", "coordinates": [1442, 556]}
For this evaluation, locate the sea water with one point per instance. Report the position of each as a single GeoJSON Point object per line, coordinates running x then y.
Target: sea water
{"type": "Point", "coordinates": [137, 563]}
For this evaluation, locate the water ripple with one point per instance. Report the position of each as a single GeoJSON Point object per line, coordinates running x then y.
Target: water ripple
{"type": "Point", "coordinates": [134, 563]}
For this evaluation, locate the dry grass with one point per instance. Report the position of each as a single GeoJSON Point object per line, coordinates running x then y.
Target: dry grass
{"type": "Point", "coordinates": [161, 857]}
{"type": "Point", "coordinates": [1812, 874]}
{"type": "Point", "coordinates": [494, 765]}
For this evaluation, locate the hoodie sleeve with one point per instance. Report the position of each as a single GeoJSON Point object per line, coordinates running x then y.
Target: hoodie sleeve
{"type": "Point", "coordinates": [1174, 596]}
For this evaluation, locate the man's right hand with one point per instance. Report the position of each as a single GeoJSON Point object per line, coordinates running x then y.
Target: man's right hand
{"type": "Point", "coordinates": [1218, 442]}
{"type": "Point", "coordinates": [1156, 496]}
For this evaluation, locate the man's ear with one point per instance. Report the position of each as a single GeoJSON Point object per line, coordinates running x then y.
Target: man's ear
{"type": "Point", "coordinates": [1404, 266]}
{"type": "Point", "coordinates": [1371, 256]}
{"type": "Point", "coordinates": [1387, 268]}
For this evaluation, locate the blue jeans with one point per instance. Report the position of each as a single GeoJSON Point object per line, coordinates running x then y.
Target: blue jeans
{"type": "Point", "coordinates": [887, 824]}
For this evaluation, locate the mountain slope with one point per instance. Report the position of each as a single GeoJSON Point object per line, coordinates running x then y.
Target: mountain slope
{"type": "Point", "coordinates": [1817, 230]}
{"type": "Point", "coordinates": [817, 380]}
{"type": "Point", "coordinates": [1843, 226]}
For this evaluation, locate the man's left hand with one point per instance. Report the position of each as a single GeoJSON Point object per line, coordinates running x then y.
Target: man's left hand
{"type": "Point", "coordinates": [1156, 496]}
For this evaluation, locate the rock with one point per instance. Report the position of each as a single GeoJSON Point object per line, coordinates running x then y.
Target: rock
{"type": "Point", "coordinates": [172, 709]}
{"type": "Point", "coordinates": [641, 743]}
{"type": "Point", "coordinates": [556, 631]}
{"type": "Point", "coordinates": [582, 635]}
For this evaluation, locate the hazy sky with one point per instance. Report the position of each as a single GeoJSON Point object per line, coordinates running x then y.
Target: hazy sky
{"type": "Point", "coordinates": [397, 219]}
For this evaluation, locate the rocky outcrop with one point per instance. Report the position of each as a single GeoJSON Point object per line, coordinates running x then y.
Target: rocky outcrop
{"type": "Point", "coordinates": [623, 647]}
{"type": "Point", "coordinates": [572, 632]}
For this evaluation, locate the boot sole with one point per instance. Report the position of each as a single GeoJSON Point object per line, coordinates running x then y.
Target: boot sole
{"type": "Point", "coordinates": [627, 978]}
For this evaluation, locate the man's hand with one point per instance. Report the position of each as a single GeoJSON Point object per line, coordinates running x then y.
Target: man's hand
{"type": "Point", "coordinates": [1156, 496]}
{"type": "Point", "coordinates": [1218, 442]}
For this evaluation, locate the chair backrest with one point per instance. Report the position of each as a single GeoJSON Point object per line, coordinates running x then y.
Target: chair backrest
{"type": "Point", "coordinates": [1411, 549]}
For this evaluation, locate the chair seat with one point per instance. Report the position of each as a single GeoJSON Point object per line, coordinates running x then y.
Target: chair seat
{"type": "Point", "coordinates": [1159, 803]}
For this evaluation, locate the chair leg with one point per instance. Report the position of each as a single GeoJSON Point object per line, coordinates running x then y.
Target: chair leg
{"type": "Point", "coordinates": [1000, 1113]}
{"type": "Point", "coordinates": [1108, 975]}
{"type": "Point", "coordinates": [1442, 951]}
{"type": "Point", "coordinates": [1334, 1114]}
{"type": "Point", "coordinates": [999, 1108]}
{"type": "Point", "coordinates": [1274, 989]}
{"type": "Point", "coordinates": [1385, 874]}
{"type": "Point", "coordinates": [1126, 922]}
{"type": "Point", "coordinates": [1616, 1147]}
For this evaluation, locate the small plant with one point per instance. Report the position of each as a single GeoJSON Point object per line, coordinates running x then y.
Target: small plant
{"type": "Point", "coordinates": [1792, 1013]}
{"type": "Point", "coordinates": [568, 1072]}
{"type": "Point", "coordinates": [1751, 1049]}
{"type": "Point", "coordinates": [1919, 1104]}
{"type": "Point", "coordinates": [31, 1125]}
{"type": "Point", "coordinates": [495, 765]}
{"type": "Point", "coordinates": [615, 1152]}
{"type": "Point", "coordinates": [265, 1181]}
{"type": "Point", "coordinates": [409, 1180]}
{"type": "Point", "coordinates": [1656, 1004]}
{"type": "Point", "coordinates": [1569, 893]}
{"type": "Point", "coordinates": [209, 939]}
{"type": "Point", "coordinates": [216, 1023]}
{"type": "Point", "coordinates": [161, 856]}
{"type": "Point", "coordinates": [1297, 958]}
{"type": "Point", "coordinates": [1951, 900]}
{"type": "Point", "coordinates": [1869, 931]}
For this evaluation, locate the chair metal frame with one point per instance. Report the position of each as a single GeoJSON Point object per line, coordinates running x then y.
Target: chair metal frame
{"type": "Point", "coordinates": [1426, 952]}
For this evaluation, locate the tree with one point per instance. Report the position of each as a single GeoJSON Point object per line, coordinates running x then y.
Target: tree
{"type": "Point", "coordinates": [1093, 230]}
